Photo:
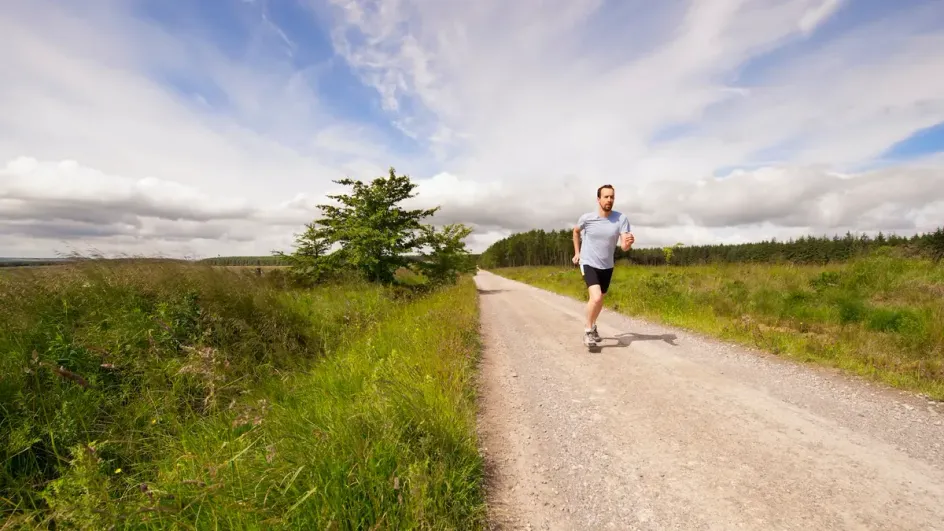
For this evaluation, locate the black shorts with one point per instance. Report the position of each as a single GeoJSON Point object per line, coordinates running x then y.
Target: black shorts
{"type": "Point", "coordinates": [593, 275]}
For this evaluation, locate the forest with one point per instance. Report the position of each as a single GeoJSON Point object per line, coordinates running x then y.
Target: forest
{"type": "Point", "coordinates": [556, 248]}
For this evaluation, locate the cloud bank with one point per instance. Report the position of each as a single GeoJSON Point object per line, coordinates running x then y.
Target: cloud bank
{"type": "Point", "coordinates": [206, 129]}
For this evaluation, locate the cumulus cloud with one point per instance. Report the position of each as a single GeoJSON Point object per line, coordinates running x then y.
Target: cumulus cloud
{"type": "Point", "coordinates": [45, 203]}
{"type": "Point", "coordinates": [798, 198]}
{"type": "Point", "coordinates": [745, 204]}
{"type": "Point", "coordinates": [68, 191]}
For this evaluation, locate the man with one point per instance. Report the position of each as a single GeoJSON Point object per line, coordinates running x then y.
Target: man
{"type": "Point", "coordinates": [600, 232]}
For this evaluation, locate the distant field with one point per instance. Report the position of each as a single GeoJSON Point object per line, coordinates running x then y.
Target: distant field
{"type": "Point", "coordinates": [881, 317]}
{"type": "Point", "coordinates": [232, 261]}
{"type": "Point", "coordinates": [11, 264]}
{"type": "Point", "coordinates": [173, 395]}
{"type": "Point", "coordinates": [29, 262]}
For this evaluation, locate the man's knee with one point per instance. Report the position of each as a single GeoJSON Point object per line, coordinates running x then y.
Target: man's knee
{"type": "Point", "coordinates": [596, 295]}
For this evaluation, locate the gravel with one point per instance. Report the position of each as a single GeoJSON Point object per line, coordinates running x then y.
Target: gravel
{"type": "Point", "coordinates": [664, 429]}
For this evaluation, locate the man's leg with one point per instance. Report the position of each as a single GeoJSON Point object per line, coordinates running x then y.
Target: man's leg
{"type": "Point", "coordinates": [603, 277]}
{"type": "Point", "coordinates": [594, 305]}
{"type": "Point", "coordinates": [595, 299]}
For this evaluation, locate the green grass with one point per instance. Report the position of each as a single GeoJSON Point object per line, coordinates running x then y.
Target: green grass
{"type": "Point", "coordinates": [881, 317]}
{"type": "Point", "coordinates": [182, 396]}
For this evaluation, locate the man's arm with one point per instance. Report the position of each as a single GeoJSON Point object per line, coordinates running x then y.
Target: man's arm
{"type": "Point", "coordinates": [626, 236]}
{"type": "Point", "coordinates": [581, 222]}
{"type": "Point", "coordinates": [576, 239]}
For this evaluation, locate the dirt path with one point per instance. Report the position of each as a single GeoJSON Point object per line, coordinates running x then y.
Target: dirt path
{"type": "Point", "coordinates": [660, 429]}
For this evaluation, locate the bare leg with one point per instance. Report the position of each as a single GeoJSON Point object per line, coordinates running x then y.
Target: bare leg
{"type": "Point", "coordinates": [596, 310]}
{"type": "Point", "coordinates": [594, 305]}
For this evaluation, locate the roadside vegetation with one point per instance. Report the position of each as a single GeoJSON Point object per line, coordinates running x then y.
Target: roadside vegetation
{"type": "Point", "coordinates": [879, 315]}
{"type": "Point", "coordinates": [159, 394]}
{"type": "Point", "coordinates": [873, 306]}
{"type": "Point", "coordinates": [542, 248]}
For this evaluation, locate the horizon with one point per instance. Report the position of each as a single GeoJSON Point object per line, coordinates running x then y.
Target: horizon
{"type": "Point", "coordinates": [205, 129]}
{"type": "Point", "coordinates": [790, 240]}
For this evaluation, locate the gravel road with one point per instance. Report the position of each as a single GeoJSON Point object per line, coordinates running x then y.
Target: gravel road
{"type": "Point", "coordinates": [663, 429]}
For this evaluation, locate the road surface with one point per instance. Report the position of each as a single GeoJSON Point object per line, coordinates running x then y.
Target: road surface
{"type": "Point", "coordinates": [661, 429]}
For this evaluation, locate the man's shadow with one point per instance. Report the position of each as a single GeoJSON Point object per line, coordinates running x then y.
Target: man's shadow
{"type": "Point", "coordinates": [628, 338]}
{"type": "Point", "coordinates": [490, 291]}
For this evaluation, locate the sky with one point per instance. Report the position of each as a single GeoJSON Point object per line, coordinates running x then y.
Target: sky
{"type": "Point", "coordinates": [215, 127]}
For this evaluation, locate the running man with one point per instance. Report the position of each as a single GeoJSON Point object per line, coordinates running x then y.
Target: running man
{"type": "Point", "coordinates": [599, 232]}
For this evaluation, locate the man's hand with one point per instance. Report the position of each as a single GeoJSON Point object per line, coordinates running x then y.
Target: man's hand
{"type": "Point", "coordinates": [628, 240]}
{"type": "Point", "coordinates": [575, 259]}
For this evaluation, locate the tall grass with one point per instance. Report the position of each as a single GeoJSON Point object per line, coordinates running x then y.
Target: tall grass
{"type": "Point", "coordinates": [381, 434]}
{"type": "Point", "coordinates": [880, 316]}
{"type": "Point", "coordinates": [167, 395]}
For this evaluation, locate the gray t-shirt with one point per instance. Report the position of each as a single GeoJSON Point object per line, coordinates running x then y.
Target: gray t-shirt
{"type": "Point", "coordinates": [599, 237]}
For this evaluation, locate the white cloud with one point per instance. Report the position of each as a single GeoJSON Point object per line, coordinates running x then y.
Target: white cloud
{"type": "Point", "coordinates": [83, 88]}
{"type": "Point", "coordinates": [174, 144]}
{"type": "Point", "coordinates": [39, 187]}
{"type": "Point", "coordinates": [89, 85]}
{"type": "Point", "coordinates": [58, 205]}
{"type": "Point", "coordinates": [528, 97]}
{"type": "Point", "coordinates": [817, 14]}
{"type": "Point", "coordinates": [742, 206]}
{"type": "Point", "coordinates": [552, 99]}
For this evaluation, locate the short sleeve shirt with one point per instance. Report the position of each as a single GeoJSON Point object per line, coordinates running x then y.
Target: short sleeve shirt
{"type": "Point", "coordinates": [599, 238]}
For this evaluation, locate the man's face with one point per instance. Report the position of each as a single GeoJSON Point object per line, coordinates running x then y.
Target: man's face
{"type": "Point", "coordinates": [606, 199]}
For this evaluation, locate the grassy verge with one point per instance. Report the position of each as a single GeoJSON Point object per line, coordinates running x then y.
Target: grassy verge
{"type": "Point", "coordinates": [162, 395]}
{"type": "Point", "coordinates": [880, 317]}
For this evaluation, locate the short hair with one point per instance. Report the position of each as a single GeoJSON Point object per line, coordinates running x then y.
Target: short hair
{"type": "Point", "coordinates": [600, 189]}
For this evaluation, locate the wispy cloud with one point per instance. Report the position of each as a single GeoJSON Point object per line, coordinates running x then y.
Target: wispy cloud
{"type": "Point", "coordinates": [128, 95]}
{"type": "Point", "coordinates": [238, 114]}
{"type": "Point", "coordinates": [523, 94]}
{"type": "Point", "coordinates": [569, 95]}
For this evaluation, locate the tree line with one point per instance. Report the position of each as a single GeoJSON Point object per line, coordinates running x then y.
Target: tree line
{"type": "Point", "coordinates": [556, 248]}
{"type": "Point", "coordinates": [258, 261]}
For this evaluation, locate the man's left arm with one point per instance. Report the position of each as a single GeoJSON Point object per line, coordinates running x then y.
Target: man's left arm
{"type": "Point", "coordinates": [626, 236]}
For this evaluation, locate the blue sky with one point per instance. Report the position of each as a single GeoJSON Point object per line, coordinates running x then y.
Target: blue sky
{"type": "Point", "coordinates": [287, 33]}
{"type": "Point", "coordinates": [921, 143]}
{"type": "Point", "coordinates": [218, 126]}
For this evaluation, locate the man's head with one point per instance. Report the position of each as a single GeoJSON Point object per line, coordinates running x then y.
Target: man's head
{"type": "Point", "coordinates": [605, 197]}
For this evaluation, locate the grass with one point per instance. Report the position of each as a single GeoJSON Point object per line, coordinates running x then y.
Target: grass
{"type": "Point", "coordinates": [163, 395]}
{"type": "Point", "coordinates": [880, 317]}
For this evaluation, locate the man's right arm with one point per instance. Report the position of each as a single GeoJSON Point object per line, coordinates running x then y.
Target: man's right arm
{"type": "Point", "coordinates": [577, 228]}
